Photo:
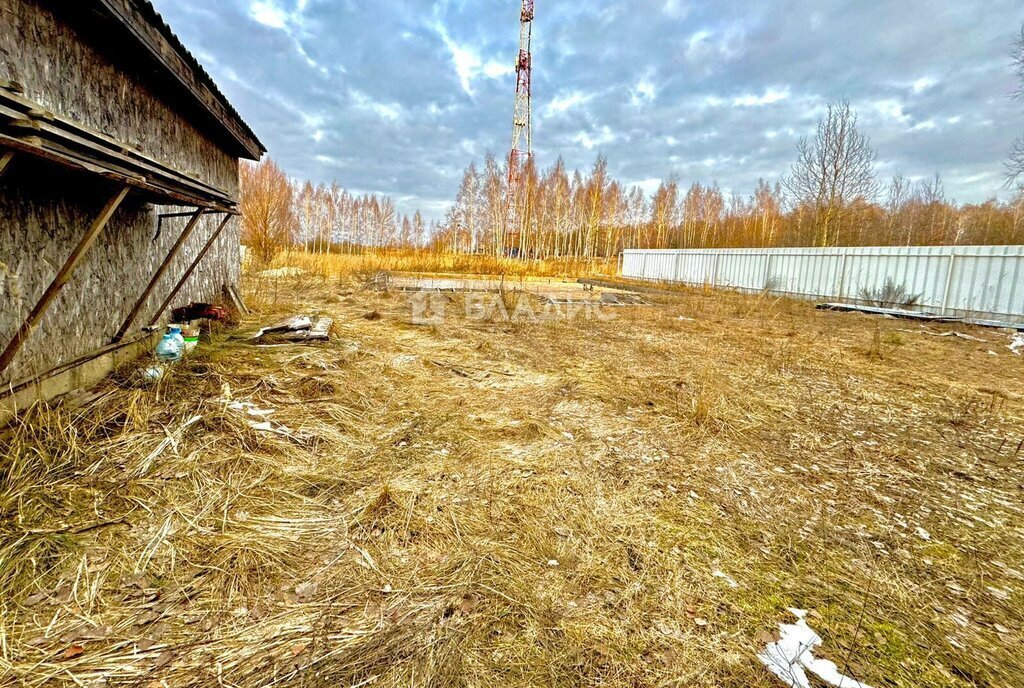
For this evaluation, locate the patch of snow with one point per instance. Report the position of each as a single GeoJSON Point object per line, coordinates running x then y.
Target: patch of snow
{"type": "Point", "coordinates": [791, 657]}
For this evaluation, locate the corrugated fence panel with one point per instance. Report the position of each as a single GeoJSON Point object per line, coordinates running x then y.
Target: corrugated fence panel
{"type": "Point", "coordinates": [975, 281]}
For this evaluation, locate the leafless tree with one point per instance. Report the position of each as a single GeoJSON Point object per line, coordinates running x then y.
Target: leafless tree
{"type": "Point", "coordinates": [833, 169]}
{"type": "Point", "coordinates": [268, 214]}
{"type": "Point", "coordinates": [1015, 165]}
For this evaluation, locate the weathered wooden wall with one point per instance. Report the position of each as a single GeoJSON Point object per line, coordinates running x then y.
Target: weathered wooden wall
{"type": "Point", "coordinates": [42, 216]}
{"type": "Point", "coordinates": [67, 74]}
{"type": "Point", "coordinates": [40, 223]}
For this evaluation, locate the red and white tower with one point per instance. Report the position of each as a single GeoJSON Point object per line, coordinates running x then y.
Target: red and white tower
{"type": "Point", "coordinates": [522, 116]}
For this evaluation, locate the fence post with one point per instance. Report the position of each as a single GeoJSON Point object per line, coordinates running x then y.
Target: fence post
{"type": "Point", "coordinates": [714, 270]}
{"type": "Point", "coordinates": [643, 268]}
{"type": "Point", "coordinates": [767, 271]}
{"type": "Point", "coordinates": [679, 260]}
{"type": "Point", "coordinates": [842, 277]}
{"type": "Point", "coordinates": [949, 283]}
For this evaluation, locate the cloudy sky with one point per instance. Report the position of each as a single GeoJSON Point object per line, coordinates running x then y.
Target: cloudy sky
{"type": "Point", "coordinates": [398, 96]}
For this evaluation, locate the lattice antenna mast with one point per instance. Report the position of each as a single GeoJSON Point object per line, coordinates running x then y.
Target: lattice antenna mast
{"type": "Point", "coordinates": [522, 116]}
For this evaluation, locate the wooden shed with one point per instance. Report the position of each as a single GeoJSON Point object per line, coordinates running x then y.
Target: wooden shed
{"type": "Point", "coordinates": [118, 184]}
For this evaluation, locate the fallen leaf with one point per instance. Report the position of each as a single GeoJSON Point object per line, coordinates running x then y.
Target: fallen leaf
{"type": "Point", "coordinates": [34, 599]}
{"type": "Point", "coordinates": [298, 649]}
{"type": "Point", "coordinates": [73, 651]}
{"type": "Point", "coordinates": [469, 603]}
{"type": "Point", "coordinates": [97, 633]}
{"type": "Point", "coordinates": [163, 660]}
{"type": "Point", "coordinates": [306, 589]}
{"type": "Point", "coordinates": [147, 618]}
{"type": "Point", "coordinates": [700, 622]}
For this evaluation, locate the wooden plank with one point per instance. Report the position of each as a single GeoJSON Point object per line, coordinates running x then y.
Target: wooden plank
{"type": "Point", "coordinates": [54, 153]}
{"type": "Point", "coordinates": [5, 160]}
{"type": "Point", "coordinates": [64, 127]}
{"type": "Point", "coordinates": [191, 268]}
{"type": "Point", "coordinates": [236, 300]}
{"type": "Point", "coordinates": [182, 238]}
{"type": "Point", "coordinates": [19, 385]}
{"type": "Point", "coordinates": [62, 277]}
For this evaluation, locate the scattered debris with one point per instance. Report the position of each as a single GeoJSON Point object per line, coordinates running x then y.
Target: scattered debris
{"type": "Point", "coordinates": [372, 315]}
{"type": "Point", "coordinates": [250, 409]}
{"type": "Point", "coordinates": [922, 533]}
{"type": "Point", "coordinates": [293, 324]}
{"type": "Point", "coordinates": [299, 328]}
{"type": "Point", "coordinates": [791, 656]}
{"type": "Point", "coordinates": [891, 312]}
{"type": "Point", "coordinates": [1017, 345]}
{"type": "Point", "coordinates": [951, 333]}
{"type": "Point", "coordinates": [608, 298]}
{"type": "Point", "coordinates": [918, 315]}
{"type": "Point", "coordinates": [197, 311]}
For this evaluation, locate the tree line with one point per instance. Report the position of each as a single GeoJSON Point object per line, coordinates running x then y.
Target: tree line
{"type": "Point", "coordinates": [831, 197]}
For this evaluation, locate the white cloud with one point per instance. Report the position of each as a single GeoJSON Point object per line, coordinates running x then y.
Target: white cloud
{"type": "Point", "coordinates": [923, 84]}
{"type": "Point", "coordinates": [770, 96]}
{"type": "Point", "coordinates": [893, 109]}
{"type": "Point", "coordinates": [677, 9]}
{"type": "Point", "coordinates": [468, 63]}
{"type": "Point", "coordinates": [566, 101]}
{"type": "Point", "coordinates": [269, 13]}
{"type": "Point", "coordinates": [706, 47]}
{"type": "Point", "coordinates": [603, 136]}
{"type": "Point", "coordinates": [386, 111]}
{"type": "Point", "coordinates": [495, 69]}
{"type": "Point", "coordinates": [644, 92]}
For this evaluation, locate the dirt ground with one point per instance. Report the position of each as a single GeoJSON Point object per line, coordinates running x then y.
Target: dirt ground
{"type": "Point", "coordinates": [633, 499]}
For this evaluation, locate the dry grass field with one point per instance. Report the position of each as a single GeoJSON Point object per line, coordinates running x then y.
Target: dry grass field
{"type": "Point", "coordinates": [580, 501]}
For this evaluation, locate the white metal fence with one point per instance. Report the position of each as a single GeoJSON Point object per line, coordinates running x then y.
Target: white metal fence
{"type": "Point", "coordinates": [985, 282]}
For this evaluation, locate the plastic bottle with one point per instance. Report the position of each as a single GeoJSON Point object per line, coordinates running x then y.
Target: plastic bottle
{"type": "Point", "coordinates": [169, 348]}
{"type": "Point", "coordinates": [175, 331]}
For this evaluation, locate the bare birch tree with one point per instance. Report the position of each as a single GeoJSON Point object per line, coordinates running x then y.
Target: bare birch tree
{"type": "Point", "coordinates": [833, 169]}
{"type": "Point", "coordinates": [1015, 165]}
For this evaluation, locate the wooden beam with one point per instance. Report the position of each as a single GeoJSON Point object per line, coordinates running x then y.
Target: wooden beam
{"type": "Point", "coordinates": [62, 277]}
{"type": "Point", "coordinates": [191, 268]}
{"type": "Point", "coordinates": [19, 385]}
{"type": "Point", "coordinates": [159, 273]}
{"type": "Point", "coordinates": [5, 160]}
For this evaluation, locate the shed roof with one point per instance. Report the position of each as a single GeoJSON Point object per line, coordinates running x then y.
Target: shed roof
{"type": "Point", "coordinates": [151, 33]}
